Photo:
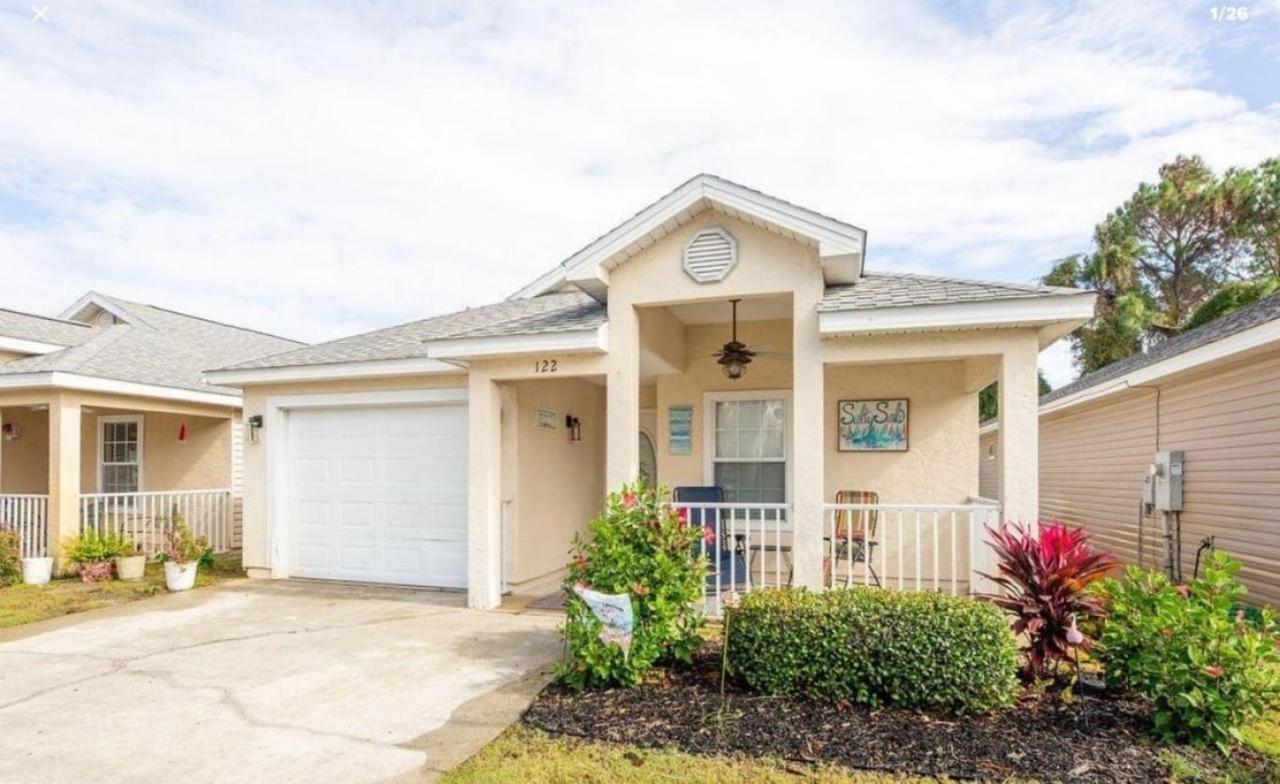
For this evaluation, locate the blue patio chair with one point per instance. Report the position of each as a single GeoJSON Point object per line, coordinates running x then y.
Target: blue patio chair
{"type": "Point", "coordinates": [733, 567]}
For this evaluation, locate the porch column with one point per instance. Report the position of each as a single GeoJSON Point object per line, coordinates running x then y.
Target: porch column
{"type": "Point", "coordinates": [622, 459]}
{"type": "Point", "coordinates": [64, 475]}
{"type": "Point", "coordinates": [808, 437]}
{"type": "Point", "coordinates": [1019, 452]}
{"type": "Point", "coordinates": [484, 488]}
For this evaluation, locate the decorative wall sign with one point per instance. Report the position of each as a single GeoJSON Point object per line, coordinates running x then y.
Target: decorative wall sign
{"type": "Point", "coordinates": [546, 419]}
{"type": "Point", "coordinates": [680, 430]}
{"type": "Point", "coordinates": [872, 425]}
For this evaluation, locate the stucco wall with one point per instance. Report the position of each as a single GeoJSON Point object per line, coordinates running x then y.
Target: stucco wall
{"type": "Point", "coordinates": [24, 462]}
{"type": "Point", "coordinates": [560, 482]}
{"type": "Point", "coordinates": [202, 462]}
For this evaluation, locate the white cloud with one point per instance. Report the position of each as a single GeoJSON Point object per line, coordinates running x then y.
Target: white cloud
{"type": "Point", "coordinates": [322, 170]}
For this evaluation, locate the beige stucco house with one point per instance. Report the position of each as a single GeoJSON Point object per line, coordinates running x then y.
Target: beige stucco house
{"type": "Point", "coordinates": [107, 423]}
{"type": "Point", "coordinates": [465, 450]}
{"type": "Point", "coordinates": [1212, 394]}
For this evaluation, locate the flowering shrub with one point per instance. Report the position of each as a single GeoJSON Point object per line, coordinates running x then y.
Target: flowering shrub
{"type": "Point", "coordinates": [181, 546]}
{"type": "Point", "coordinates": [644, 549]}
{"type": "Point", "coordinates": [10, 557]}
{"type": "Point", "coordinates": [1191, 651]}
{"type": "Point", "coordinates": [1043, 578]}
{"type": "Point", "coordinates": [874, 646]}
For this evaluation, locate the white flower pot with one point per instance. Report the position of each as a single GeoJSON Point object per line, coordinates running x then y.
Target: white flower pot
{"type": "Point", "coordinates": [37, 571]}
{"type": "Point", "coordinates": [131, 568]}
{"type": "Point", "coordinates": [180, 576]}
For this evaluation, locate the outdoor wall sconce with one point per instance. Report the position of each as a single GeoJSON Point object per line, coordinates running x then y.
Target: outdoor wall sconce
{"type": "Point", "coordinates": [10, 431]}
{"type": "Point", "coordinates": [255, 424]}
{"type": "Point", "coordinates": [574, 426]}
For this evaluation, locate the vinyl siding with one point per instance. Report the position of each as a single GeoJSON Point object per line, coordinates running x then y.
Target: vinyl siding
{"type": "Point", "coordinates": [1225, 418]}
{"type": "Point", "coordinates": [989, 466]}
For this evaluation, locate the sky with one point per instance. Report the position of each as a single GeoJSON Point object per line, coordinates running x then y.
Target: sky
{"type": "Point", "coordinates": [317, 170]}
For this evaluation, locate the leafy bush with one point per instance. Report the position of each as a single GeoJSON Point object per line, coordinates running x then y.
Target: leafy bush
{"type": "Point", "coordinates": [641, 547]}
{"type": "Point", "coordinates": [182, 546]}
{"type": "Point", "coordinates": [91, 547]}
{"type": "Point", "coordinates": [1206, 670]}
{"type": "Point", "coordinates": [10, 557]}
{"type": "Point", "coordinates": [1044, 577]}
{"type": "Point", "coordinates": [874, 646]}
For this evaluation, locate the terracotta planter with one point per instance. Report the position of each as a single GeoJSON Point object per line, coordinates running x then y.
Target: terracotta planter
{"type": "Point", "coordinates": [131, 568]}
{"type": "Point", "coordinates": [180, 576]}
{"type": "Point", "coordinates": [37, 571]}
{"type": "Point", "coordinates": [95, 571]}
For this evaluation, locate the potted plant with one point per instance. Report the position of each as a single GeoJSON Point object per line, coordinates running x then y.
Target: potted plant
{"type": "Point", "coordinates": [94, 554]}
{"type": "Point", "coordinates": [131, 562]}
{"type": "Point", "coordinates": [37, 570]}
{"type": "Point", "coordinates": [181, 556]}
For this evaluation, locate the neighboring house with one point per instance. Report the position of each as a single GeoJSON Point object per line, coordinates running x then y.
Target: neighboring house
{"type": "Point", "coordinates": [466, 450]}
{"type": "Point", "coordinates": [1212, 393]}
{"type": "Point", "coordinates": [106, 422]}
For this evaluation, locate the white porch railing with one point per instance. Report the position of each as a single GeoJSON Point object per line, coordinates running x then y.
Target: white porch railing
{"type": "Point", "coordinates": [29, 516]}
{"type": "Point", "coordinates": [747, 546]}
{"type": "Point", "coordinates": [146, 517]}
{"type": "Point", "coordinates": [936, 547]}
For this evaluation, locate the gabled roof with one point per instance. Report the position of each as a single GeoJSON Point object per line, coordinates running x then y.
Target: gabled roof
{"type": "Point", "coordinates": [562, 312]}
{"type": "Point", "coordinates": [151, 346]}
{"type": "Point", "coordinates": [49, 332]}
{"type": "Point", "coordinates": [1265, 313]}
{"type": "Point", "coordinates": [840, 245]}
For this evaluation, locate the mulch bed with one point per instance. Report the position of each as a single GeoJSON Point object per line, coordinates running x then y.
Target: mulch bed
{"type": "Point", "coordinates": [1095, 739]}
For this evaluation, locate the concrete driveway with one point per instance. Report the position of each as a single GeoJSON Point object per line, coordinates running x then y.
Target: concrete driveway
{"type": "Point", "coordinates": [266, 682]}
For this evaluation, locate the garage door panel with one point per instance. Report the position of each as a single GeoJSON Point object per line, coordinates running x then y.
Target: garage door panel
{"type": "Point", "coordinates": [379, 494]}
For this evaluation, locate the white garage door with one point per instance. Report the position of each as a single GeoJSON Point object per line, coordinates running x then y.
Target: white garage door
{"type": "Point", "coordinates": [379, 494]}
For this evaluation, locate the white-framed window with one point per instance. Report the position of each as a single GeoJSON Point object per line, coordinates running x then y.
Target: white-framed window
{"type": "Point", "coordinates": [120, 454]}
{"type": "Point", "coordinates": [747, 445]}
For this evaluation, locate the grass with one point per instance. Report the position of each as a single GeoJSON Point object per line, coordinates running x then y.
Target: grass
{"type": "Point", "coordinates": [23, 604]}
{"type": "Point", "coordinates": [522, 755]}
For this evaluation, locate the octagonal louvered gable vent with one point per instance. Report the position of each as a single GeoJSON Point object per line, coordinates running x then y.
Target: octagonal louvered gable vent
{"type": "Point", "coordinates": [710, 255]}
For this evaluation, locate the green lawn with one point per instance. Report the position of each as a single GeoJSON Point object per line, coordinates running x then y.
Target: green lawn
{"type": "Point", "coordinates": [22, 604]}
{"type": "Point", "coordinates": [523, 755]}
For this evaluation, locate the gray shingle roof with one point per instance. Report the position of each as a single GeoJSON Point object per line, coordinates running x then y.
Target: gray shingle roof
{"type": "Point", "coordinates": [1246, 318]}
{"type": "Point", "coordinates": [897, 290]}
{"type": "Point", "coordinates": [171, 350]}
{"type": "Point", "coordinates": [560, 312]}
{"type": "Point", "coordinates": [43, 329]}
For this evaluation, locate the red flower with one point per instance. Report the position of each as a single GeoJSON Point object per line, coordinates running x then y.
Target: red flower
{"type": "Point", "coordinates": [628, 500]}
{"type": "Point", "coordinates": [709, 535]}
{"type": "Point", "coordinates": [639, 590]}
{"type": "Point", "coordinates": [579, 561]}
{"type": "Point", "coordinates": [1213, 671]}
{"type": "Point", "coordinates": [682, 514]}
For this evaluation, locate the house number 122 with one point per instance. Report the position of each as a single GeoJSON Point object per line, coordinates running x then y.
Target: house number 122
{"type": "Point", "coordinates": [545, 366]}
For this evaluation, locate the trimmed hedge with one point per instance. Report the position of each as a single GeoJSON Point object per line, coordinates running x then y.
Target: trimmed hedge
{"type": "Point", "coordinates": [876, 647]}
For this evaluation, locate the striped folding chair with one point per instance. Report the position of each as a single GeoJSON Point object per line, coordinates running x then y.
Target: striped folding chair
{"type": "Point", "coordinates": [854, 536]}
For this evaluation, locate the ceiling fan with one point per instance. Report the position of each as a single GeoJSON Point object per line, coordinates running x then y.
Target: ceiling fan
{"type": "Point", "coordinates": [734, 356]}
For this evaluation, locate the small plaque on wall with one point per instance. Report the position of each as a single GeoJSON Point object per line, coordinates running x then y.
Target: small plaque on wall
{"type": "Point", "coordinates": [872, 425]}
{"type": "Point", "coordinates": [546, 419]}
{"type": "Point", "coordinates": [680, 430]}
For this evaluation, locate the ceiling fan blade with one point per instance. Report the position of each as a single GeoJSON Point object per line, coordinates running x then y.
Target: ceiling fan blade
{"type": "Point", "coordinates": [773, 354]}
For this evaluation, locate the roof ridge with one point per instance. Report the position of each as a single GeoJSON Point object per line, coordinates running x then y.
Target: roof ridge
{"type": "Point", "coordinates": [237, 327]}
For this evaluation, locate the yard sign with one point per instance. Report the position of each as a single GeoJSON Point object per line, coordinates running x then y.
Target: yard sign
{"type": "Point", "coordinates": [872, 425]}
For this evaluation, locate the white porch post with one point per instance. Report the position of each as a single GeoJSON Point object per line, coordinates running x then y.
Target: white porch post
{"type": "Point", "coordinates": [622, 461]}
{"type": "Point", "coordinates": [64, 474]}
{"type": "Point", "coordinates": [1019, 453]}
{"type": "Point", "coordinates": [808, 437]}
{"type": "Point", "coordinates": [484, 473]}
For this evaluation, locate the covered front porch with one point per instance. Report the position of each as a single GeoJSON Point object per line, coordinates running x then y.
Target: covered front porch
{"type": "Point", "coordinates": [74, 461]}
{"type": "Point", "coordinates": [829, 461]}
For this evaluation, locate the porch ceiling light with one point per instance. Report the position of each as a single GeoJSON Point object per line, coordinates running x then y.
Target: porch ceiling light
{"type": "Point", "coordinates": [734, 368]}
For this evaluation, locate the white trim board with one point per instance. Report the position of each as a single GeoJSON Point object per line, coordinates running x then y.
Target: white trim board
{"type": "Point", "coordinates": [1019, 311]}
{"type": "Point", "coordinates": [97, 300]}
{"type": "Point", "coordinates": [61, 380]}
{"type": "Point", "coordinates": [334, 371]}
{"type": "Point", "coordinates": [588, 268]}
{"type": "Point", "coordinates": [276, 427]}
{"type": "Point", "coordinates": [23, 346]}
